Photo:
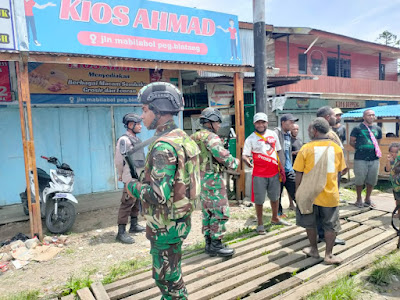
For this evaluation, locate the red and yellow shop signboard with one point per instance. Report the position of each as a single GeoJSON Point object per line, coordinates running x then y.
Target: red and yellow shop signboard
{"type": "Point", "coordinates": [89, 84]}
{"type": "Point", "coordinates": [5, 85]}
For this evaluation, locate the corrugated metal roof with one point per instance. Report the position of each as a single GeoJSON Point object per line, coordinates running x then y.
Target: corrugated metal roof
{"type": "Point", "coordinates": [246, 37]}
{"type": "Point", "coordinates": [127, 58]}
{"type": "Point", "coordinates": [380, 111]}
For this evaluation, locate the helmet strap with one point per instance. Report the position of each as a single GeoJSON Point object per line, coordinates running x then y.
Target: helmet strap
{"type": "Point", "coordinates": [153, 124]}
{"type": "Point", "coordinates": [212, 127]}
{"type": "Point", "coordinates": [133, 128]}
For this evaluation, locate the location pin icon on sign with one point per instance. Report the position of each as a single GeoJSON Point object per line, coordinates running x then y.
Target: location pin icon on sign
{"type": "Point", "coordinates": [93, 38]}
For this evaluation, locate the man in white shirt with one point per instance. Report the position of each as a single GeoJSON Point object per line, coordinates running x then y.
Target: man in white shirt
{"type": "Point", "coordinates": [260, 153]}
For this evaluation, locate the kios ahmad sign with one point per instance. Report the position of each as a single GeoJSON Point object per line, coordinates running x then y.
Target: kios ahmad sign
{"type": "Point", "coordinates": [137, 29]}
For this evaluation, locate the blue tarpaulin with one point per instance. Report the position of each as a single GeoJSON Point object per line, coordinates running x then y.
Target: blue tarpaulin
{"type": "Point", "coordinates": [380, 111]}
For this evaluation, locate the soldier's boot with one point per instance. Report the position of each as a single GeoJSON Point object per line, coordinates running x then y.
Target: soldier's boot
{"type": "Point", "coordinates": [135, 227]}
{"type": "Point", "coordinates": [219, 249]}
{"type": "Point", "coordinates": [123, 236]}
{"type": "Point", "coordinates": [208, 244]}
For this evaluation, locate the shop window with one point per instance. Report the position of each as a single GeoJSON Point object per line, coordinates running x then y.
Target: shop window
{"type": "Point", "coordinates": [336, 70]}
{"type": "Point", "coordinates": [302, 63]}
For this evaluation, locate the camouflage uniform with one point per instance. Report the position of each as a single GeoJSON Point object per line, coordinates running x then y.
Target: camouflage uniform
{"type": "Point", "coordinates": [213, 158]}
{"type": "Point", "coordinates": [165, 193]}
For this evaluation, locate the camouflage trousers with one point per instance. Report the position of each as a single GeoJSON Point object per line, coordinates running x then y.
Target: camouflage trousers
{"type": "Point", "coordinates": [215, 208]}
{"type": "Point", "coordinates": [167, 257]}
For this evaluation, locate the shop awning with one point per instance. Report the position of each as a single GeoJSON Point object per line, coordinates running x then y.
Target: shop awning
{"type": "Point", "coordinates": [387, 111]}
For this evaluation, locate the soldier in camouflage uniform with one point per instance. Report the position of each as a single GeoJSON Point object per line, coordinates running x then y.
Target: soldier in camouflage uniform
{"type": "Point", "coordinates": [170, 187]}
{"type": "Point", "coordinates": [214, 158]}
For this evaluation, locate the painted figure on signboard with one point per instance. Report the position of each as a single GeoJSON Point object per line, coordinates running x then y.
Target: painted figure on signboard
{"type": "Point", "coordinates": [156, 75]}
{"type": "Point", "coordinates": [234, 38]}
{"type": "Point", "coordinates": [30, 18]}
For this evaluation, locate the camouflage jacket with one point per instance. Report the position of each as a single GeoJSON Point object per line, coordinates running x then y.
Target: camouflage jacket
{"type": "Point", "coordinates": [171, 184]}
{"type": "Point", "coordinates": [395, 173]}
{"type": "Point", "coordinates": [213, 155]}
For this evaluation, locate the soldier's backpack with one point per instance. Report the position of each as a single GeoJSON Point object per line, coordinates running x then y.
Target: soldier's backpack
{"type": "Point", "coordinates": [187, 177]}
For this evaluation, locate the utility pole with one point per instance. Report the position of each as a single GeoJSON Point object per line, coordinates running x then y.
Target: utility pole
{"type": "Point", "coordinates": [260, 55]}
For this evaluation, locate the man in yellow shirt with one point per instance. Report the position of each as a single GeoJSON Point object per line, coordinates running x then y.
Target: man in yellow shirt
{"type": "Point", "coordinates": [325, 208]}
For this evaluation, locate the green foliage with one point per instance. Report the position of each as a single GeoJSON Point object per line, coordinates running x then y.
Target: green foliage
{"type": "Point", "coordinates": [384, 272]}
{"type": "Point", "coordinates": [244, 233]}
{"type": "Point", "coordinates": [387, 38]}
{"type": "Point", "coordinates": [265, 253]}
{"type": "Point", "coordinates": [343, 289]}
{"type": "Point", "coordinates": [76, 283]}
{"type": "Point", "coordinates": [194, 247]}
{"type": "Point", "coordinates": [28, 295]}
{"type": "Point", "coordinates": [125, 268]}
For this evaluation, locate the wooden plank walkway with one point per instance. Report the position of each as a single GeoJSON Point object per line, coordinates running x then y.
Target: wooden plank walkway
{"type": "Point", "coordinates": [264, 266]}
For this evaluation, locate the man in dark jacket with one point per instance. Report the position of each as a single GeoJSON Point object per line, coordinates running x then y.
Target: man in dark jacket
{"type": "Point", "coordinates": [285, 157]}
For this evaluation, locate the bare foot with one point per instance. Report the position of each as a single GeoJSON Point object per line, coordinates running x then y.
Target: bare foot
{"type": "Point", "coordinates": [312, 252]}
{"type": "Point", "coordinates": [333, 260]}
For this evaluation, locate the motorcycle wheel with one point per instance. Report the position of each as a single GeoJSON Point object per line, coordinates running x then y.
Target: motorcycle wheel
{"type": "Point", "coordinates": [65, 218]}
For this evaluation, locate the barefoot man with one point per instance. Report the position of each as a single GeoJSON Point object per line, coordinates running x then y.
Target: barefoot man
{"type": "Point", "coordinates": [326, 204]}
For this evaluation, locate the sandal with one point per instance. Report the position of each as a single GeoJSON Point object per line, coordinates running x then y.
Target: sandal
{"type": "Point", "coordinates": [261, 230]}
{"type": "Point", "coordinates": [369, 204]}
{"type": "Point", "coordinates": [359, 204]}
{"type": "Point", "coordinates": [281, 222]}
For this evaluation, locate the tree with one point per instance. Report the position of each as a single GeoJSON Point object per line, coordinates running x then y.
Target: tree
{"type": "Point", "coordinates": [388, 38]}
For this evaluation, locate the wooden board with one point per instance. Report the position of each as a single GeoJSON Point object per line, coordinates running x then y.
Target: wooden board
{"type": "Point", "coordinates": [144, 282]}
{"type": "Point", "coordinates": [238, 264]}
{"type": "Point", "coordinates": [99, 291]}
{"type": "Point", "coordinates": [255, 283]}
{"type": "Point", "coordinates": [366, 216]}
{"type": "Point", "coordinates": [351, 210]}
{"type": "Point", "coordinates": [295, 293]}
{"type": "Point", "coordinates": [383, 222]}
{"type": "Point", "coordinates": [85, 294]}
{"type": "Point", "coordinates": [378, 237]}
{"type": "Point", "coordinates": [263, 266]}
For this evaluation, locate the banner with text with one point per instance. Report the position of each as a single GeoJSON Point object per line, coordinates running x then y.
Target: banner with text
{"type": "Point", "coordinates": [138, 29]}
{"type": "Point", "coordinates": [7, 38]}
{"type": "Point", "coordinates": [85, 84]}
{"type": "Point", "coordinates": [5, 85]}
{"type": "Point", "coordinates": [220, 95]}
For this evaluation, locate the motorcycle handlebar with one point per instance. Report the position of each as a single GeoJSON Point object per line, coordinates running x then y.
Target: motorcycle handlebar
{"type": "Point", "coordinates": [44, 157]}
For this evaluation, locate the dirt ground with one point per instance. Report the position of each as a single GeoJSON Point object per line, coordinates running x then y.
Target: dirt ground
{"type": "Point", "coordinates": [91, 248]}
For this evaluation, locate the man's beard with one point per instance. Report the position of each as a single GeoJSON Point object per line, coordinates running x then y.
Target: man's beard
{"type": "Point", "coordinates": [260, 132]}
{"type": "Point", "coordinates": [337, 121]}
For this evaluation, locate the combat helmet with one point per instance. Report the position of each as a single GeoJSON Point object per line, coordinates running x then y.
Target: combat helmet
{"type": "Point", "coordinates": [130, 117]}
{"type": "Point", "coordinates": [210, 114]}
{"type": "Point", "coordinates": [162, 98]}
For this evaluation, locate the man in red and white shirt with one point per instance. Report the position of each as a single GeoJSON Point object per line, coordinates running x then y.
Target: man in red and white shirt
{"type": "Point", "coordinates": [260, 153]}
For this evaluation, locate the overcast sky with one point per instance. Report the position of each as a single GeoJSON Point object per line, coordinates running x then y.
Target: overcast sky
{"type": "Point", "coordinates": [362, 19]}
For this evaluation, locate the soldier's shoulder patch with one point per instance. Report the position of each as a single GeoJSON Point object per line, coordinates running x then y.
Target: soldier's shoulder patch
{"type": "Point", "coordinates": [160, 159]}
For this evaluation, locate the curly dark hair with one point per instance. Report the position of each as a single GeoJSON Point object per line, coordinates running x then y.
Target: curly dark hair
{"type": "Point", "coordinates": [321, 125]}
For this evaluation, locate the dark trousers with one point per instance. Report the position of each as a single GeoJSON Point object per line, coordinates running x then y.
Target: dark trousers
{"type": "Point", "coordinates": [129, 207]}
{"type": "Point", "coordinates": [290, 186]}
